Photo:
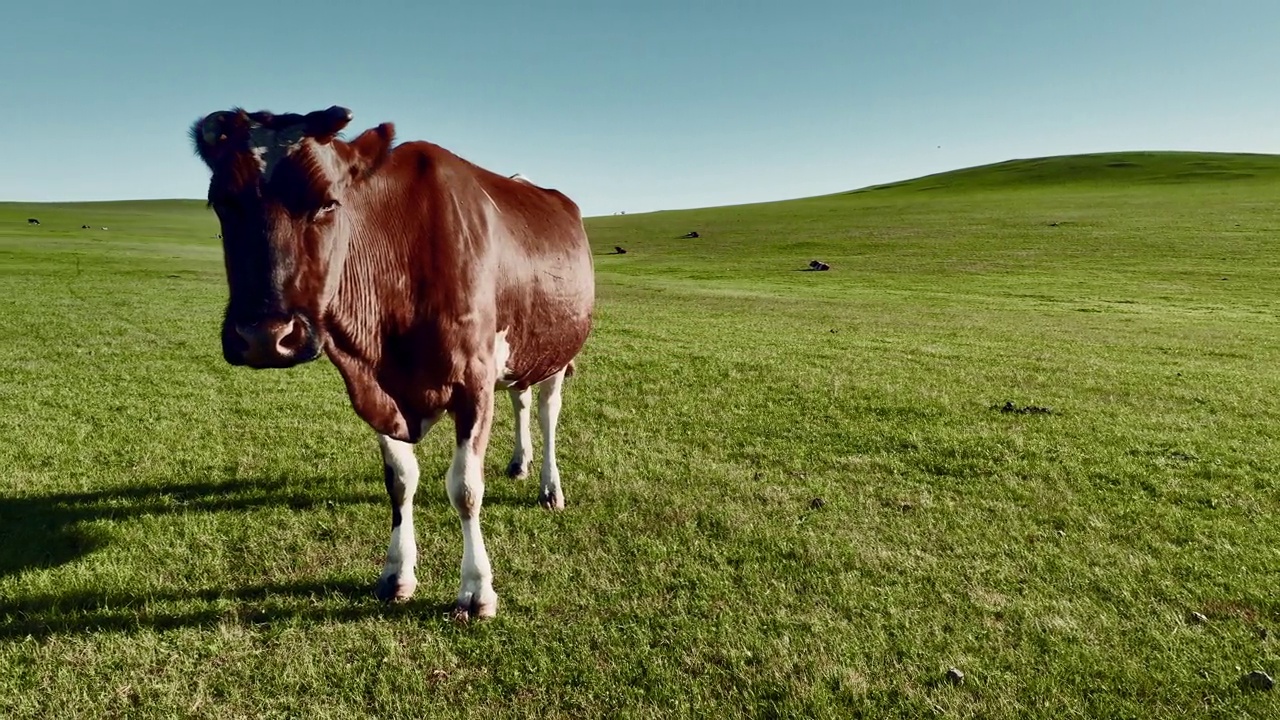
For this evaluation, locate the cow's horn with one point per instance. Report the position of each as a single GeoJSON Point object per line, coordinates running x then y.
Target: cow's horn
{"type": "Point", "coordinates": [324, 124]}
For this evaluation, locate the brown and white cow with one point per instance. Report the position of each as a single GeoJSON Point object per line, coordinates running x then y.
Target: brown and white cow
{"type": "Point", "coordinates": [427, 280]}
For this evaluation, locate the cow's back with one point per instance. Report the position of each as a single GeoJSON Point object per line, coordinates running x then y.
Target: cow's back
{"type": "Point", "coordinates": [527, 245]}
{"type": "Point", "coordinates": [545, 280]}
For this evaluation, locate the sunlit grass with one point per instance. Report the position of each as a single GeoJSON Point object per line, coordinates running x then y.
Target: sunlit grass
{"type": "Point", "coordinates": [790, 493]}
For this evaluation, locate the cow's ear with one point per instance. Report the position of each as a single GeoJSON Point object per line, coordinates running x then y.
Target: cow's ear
{"type": "Point", "coordinates": [371, 149]}
{"type": "Point", "coordinates": [211, 134]}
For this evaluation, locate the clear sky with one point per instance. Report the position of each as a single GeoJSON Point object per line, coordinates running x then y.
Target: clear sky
{"type": "Point", "coordinates": [637, 105]}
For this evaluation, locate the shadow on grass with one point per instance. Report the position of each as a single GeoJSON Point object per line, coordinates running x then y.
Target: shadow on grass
{"type": "Point", "coordinates": [285, 603]}
{"type": "Point", "coordinates": [41, 531]}
{"type": "Point", "coordinates": [44, 531]}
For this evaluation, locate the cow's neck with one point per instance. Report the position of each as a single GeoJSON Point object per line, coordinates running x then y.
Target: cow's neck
{"type": "Point", "coordinates": [375, 303]}
{"type": "Point", "coordinates": [371, 277]}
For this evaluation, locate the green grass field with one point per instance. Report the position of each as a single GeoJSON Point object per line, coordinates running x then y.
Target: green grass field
{"type": "Point", "coordinates": [180, 538]}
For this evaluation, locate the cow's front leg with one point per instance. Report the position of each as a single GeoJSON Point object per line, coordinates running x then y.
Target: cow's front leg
{"type": "Point", "coordinates": [473, 417]}
{"type": "Point", "coordinates": [400, 470]}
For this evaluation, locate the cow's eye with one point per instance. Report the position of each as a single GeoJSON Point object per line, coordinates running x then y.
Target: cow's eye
{"type": "Point", "coordinates": [325, 210]}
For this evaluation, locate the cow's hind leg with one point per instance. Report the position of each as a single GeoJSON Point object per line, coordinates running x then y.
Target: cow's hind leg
{"type": "Point", "coordinates": [520, 402]}
{"type": "Point", "coordinates": [473, 417]}
{"type": "Point", "coordinates": [400, 471]}
{"type": "Point", "coordinates": [551, 496]}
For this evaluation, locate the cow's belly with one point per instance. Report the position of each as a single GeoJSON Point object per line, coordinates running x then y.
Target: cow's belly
{"type": "Point", "coordinates": [525, 356]}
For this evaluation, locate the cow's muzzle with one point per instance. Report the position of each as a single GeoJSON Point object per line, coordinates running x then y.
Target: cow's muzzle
{"type": "Point", "coordinates": [278, 342]}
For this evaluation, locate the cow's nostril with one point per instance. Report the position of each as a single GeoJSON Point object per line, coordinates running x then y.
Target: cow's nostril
{"type": "Point", "coordinates": [293, 335]}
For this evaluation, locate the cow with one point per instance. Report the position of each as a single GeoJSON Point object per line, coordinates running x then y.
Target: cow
{"type": "Point", "coordinates": [689, 235]}
{"type": "Point", "coordinates": [33, 221]}
{"type": "Point", "coordinates": [428, 281]}
{"type": "Point", "coordinates": [619, 250]}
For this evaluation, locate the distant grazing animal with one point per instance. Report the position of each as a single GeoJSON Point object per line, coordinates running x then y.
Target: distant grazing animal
{"type": "Point", "coordinates": [427, 280]}
{"type": "Point", "coordinates": [619, 250]}
{"type": "Point", "coordinates": [818, 265]}
{"type": "Point", "coordinates": [691, 234]}
{"type": "Point", "coordinates": [84, 227]}
{"type": "Point", "coordinates": [33, 221]}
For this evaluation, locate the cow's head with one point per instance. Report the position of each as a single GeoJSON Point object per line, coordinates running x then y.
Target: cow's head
{"type": "Point", "coordinates": [283, 187]}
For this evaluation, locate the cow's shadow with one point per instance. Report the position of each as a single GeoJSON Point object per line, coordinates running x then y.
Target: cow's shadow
{"type": "Point", "coordinates": [43, 615]}
{"type": "Point", "coordinates": [43, 531]}
{"type": "Point", "coordinates": [47, 531]}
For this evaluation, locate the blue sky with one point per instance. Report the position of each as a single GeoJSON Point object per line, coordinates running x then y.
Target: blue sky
{"type": "Point", "coordinates": [638, 105]}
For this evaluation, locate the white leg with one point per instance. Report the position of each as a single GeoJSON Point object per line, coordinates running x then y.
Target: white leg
{"type": "Point", "coordinates": [400, 471]}
{"type": "Point", "coordinates": [520, 402]}
{"type": "Point", "coordinates": [476, 596]}
{"type": "Point", "coordinates": [551, 495]}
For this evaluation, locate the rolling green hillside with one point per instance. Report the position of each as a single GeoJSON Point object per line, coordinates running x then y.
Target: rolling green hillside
{"type": "Point", "coordinates": [1121, 168]}
{"type": "Point", "coordinates": [1112, 229]}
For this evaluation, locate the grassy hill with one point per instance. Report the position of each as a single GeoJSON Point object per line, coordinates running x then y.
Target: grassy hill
{"type": "Point", "coordinates": [1073, 217]}
{"type": "Point", "coordinates": [1122, 168]}
{"type": "Point", "coordinates": [790, 493]}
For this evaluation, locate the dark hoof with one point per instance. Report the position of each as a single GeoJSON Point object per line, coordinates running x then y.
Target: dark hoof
{"type": "Point", "coordinates": [464, 611]}
{"type": "Point", "coordinates": [551, 501]}
{"type": "Point", "coordinates": [390, 590]}
{"type": "Point", "coordinates": [516, 471]}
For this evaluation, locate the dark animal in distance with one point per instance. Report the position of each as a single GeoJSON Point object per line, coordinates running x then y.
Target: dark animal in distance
{"type": "Point", "coordinates": [1010, 407]}
{"type": "Point", "coordinates": [84, 227]}
{"type": "Point", "coordinates": [33, 221]}
{"type": "Point", "coordinates": [818, 265]}
{"type": "Point", "coordinates": [427, 280]}
{"type": "Point", "coordinates": [690, 234]}
{"type": "Point", "coordinates": [618, 250]}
